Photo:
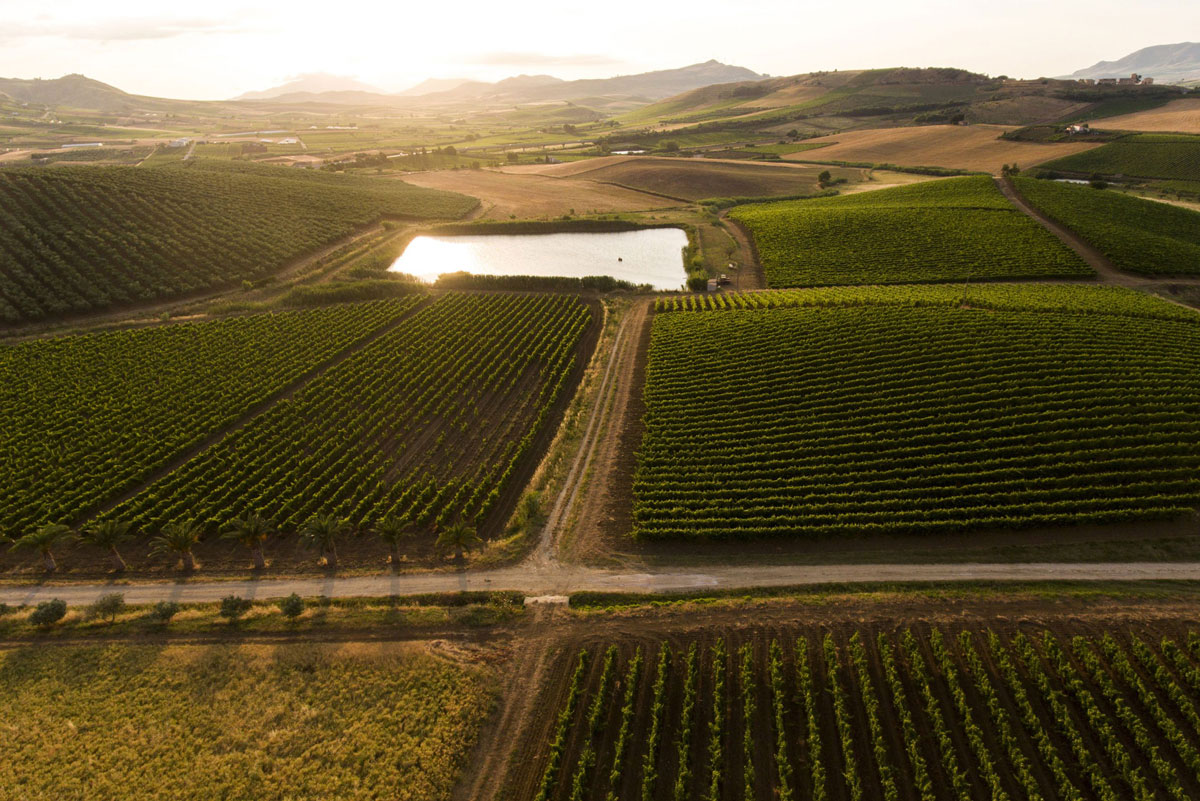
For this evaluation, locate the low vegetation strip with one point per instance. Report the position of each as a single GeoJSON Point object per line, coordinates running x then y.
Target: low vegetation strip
{"type": "Point", "coordinates": [960, 229]}
{"type": "Point", "coordinates": [236, 721]}
{"type": "Point", "coordinates": [984, 714]}
{"type": "Point", "coordinates": [87, 417]}
{"type": "Point", "coordinates": [1140, 236]}
{"type": "Point", "coordinates": [82, 239]}
{"type": "Point", "coordinates": [873, 419]}
{"type": "Point", "coordinates": [1169, 156]}
{"type": "Point", "coordinates": [427, 426]}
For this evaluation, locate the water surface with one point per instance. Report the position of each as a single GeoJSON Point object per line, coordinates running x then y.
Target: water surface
{"type": "Point", "coordinates": [651, 256]}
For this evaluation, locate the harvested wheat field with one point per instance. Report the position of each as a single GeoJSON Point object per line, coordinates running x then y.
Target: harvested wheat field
{"type": "Point", "coordinates": [692, 179]}
{"type": "Point", "coordinates": [1178, 116]}
{"type": "Point", "coordinates": [964, 147]}
{"type": "Point", "coordinates": [505, 194]}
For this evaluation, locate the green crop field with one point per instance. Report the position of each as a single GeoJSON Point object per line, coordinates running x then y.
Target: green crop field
{"type": "Point", "coordinates": [959, 229]}
{"type": "Point", "coordinates": [1169, 156]}
{"type": "Point", "coordinates": [801, 714]}
{"type": "Point", "coordinates": [80, 239]}
{"type": "Point", "coordinates": [430, 421]}
{"type": "Point", "coordinates": [352, 721]}
{"type": "Point", "coordinates": [87, 416]}
{"type": "Point", "coordinates": [917, 410]}
{"type": "Point", "coordinates": [1137, 235]}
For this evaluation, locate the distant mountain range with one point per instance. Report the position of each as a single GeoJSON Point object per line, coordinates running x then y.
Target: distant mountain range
{"type": "Point", "coordinates": [74, 91]}
{"type": "Point", "coordinates": [1174, 63]}
{"type": "Point", "coordinates": [648, 86]}
{"type": "Point", "coordinates": [313, 83]}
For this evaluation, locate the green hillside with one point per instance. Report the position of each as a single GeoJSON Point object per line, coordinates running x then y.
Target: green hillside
{"type": "Point", "coordinates": [1166, 156]}
{"type": "Point", "coordinates": [1141, 236]}
{"type": "Point", "coordinates": [81, 239]}
{"type": "Point", "coordinates": [960, 229]}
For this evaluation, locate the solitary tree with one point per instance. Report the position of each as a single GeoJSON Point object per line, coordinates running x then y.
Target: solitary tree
{"type": "Point", "coordinates": [322, 533]}
{"type": "Point", "coordinates": [108, 606]}
{"type": "Point", "coordinates": [44, 540]}
{"type": "Point", "coordinates": [458, 538]}
{"type": "Point", "coordinates": [177, 539]}
{"type": "Point", "coordinates": [108, 534]}
{"type": "Point", "coordinates": [251, 531]}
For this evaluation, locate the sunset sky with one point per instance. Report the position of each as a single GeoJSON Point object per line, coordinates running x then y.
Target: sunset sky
{"type": "Point", "coordinates": [222, 48]}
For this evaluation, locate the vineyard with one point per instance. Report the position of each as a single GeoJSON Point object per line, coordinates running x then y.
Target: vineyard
{"type": "Point", "coordinates": [88, 416]}
{"type": "Point", "coordinates": [429, 424]}
{"type": "Point", "coordinates": [1168, 156]}
{"type": "Point", "coordinates": [922, 715]}
{"type": "Point", "coordinates": [1137, 235]}
{"type": "Point", "coordinates": [128, 721]}
{"type": "Point", "coordinates": [917, 410]}
{"type": "Point", "coordinates": [81, 239]}
{"type": "Point", "coordinates": [959, 229]}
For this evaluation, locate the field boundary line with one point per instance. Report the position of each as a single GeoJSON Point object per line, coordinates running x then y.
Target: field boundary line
{"type": "Point", "coordinates": [252, 413]}
{"type": "Point", "coordinates": [545, 551]}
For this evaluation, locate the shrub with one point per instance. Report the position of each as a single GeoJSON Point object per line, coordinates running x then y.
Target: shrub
{"type": "Point", "coordinates": [233, 607]}
{"type": "Point", "coordinates": [107, 606]}
{"type": "Point", "coordinates": [292, 606]}
{"type": "Point", "coordinates": [163, 611]}
{"type": "Point", "coordinates": [48, 613]}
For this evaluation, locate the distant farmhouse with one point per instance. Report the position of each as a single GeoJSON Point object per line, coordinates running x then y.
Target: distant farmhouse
{"type": "Point", "coordinates": [1132, 80]}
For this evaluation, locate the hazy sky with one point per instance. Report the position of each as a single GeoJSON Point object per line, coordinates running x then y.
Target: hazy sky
{"type": "Point", "coordinates": [220, 48]}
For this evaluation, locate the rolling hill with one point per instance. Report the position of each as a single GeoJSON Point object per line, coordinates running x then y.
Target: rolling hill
{"type": "Point", "coordinates": [1173, 63]}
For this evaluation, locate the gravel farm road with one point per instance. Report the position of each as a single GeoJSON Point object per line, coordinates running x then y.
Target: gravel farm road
{"type": "Point", "coordinates": [557, 579]}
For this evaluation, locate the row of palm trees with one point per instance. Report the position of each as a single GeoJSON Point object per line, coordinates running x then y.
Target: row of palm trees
{"type": "Point", "coordinates": [178, 539]}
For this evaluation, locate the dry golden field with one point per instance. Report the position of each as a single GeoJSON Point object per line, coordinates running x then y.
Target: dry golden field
{"type": "Point", "coordinates": [1178, 116]}
{"type": "Point", "coordinates": [529, 195]}
{"type": "Point", "coordinates": [965, 147]}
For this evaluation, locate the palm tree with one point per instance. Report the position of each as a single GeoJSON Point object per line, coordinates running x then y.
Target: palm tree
{"type": "Point", "coordinates": [109, 534]}
{"type": "Point", "coordinates": [322, 533]}
{"type": "Point", "coordinates": [43, 539]}
{"type": "Point", "coordinates": [178, 538]}
{"type": "Point", "coordinates": [251, 531]}
{"type": "Point", "coordinates": [392, 530]}
{"type": "Point", "coordinates": [458, 538]}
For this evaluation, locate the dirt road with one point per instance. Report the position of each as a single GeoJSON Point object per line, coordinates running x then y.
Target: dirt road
{"type": "Point", "coordinates": [558, 579]}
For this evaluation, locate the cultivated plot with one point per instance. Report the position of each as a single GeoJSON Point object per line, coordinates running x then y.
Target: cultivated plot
{"type": "Point", "coordinates": [917, 410]}
{"type": "Point", "coordinates": [958, 229]}
{"type": "Point", "coordinates": [1136, 235]}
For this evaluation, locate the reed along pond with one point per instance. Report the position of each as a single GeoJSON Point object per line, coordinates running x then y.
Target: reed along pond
{"type": "Point", "coordinates": [648, 256]}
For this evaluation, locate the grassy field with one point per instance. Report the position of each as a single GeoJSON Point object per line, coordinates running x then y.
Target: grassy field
{"type": "Point", "coordinates": [971, 147]}
{"type": "Point", "coordinates": [958, 229]}
{"type": "Point", "coordinates": [83, 239]}
{"type": "Point", "coordinates": [1137, 235]}
{"type": "Point", "coordinates": [871, 711]}
{"type": "Point", "coordinates": [125, 721]}
{"type": "Point", "coordinates": [1139, 156]}
{"type": "Point", "coordinates": [1178, 116]}
{"type": "Point", "coordinates": [920, 411]}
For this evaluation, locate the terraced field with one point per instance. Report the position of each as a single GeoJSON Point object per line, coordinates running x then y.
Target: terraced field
{"type": "Point", "coordinates": [917, 411]}
{"type": "Point", "coordinates": [866, 713]}
{"type": "Point", "coordinates": [958, 229]}
{"type": "Point", "coordinates": [424, 409]}
{"type": "Point", "coordinates": [1149, 155]}
{"type": "Point", "coordinates": [82, 239]}
{"type": "Point", "coordinates": [1136, 235]}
